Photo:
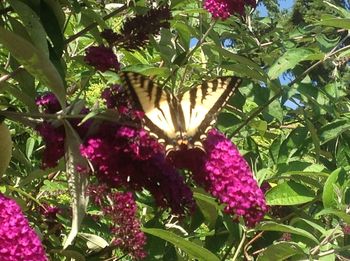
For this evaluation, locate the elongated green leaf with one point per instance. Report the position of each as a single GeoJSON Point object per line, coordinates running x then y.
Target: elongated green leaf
{"type": "Point", "coordinates": [290, 59]}
{"type": "Point", "coordinates": [337, 22]}
{"type": "Point", "coordinates": [32, 24]}
{"type": "Point", "coordinates": [76, 181]}
{"type": "Point", "coordinates": [208, 206]}
{"type": "Point", "coordinates": [314, 137]}
{"type": "Point", "coordinates": [333, 130]}
{"type": "Point", "coordinates": [311, 223]}
{"type": "Point", "coordinates": [340, 214]}
{"type": "Point", "coordinates": [334, 182]}
{"type": "Point", "coordinates": [272, 226]}
{"type": "Point", "coordinates": [289, 193]}
{"type": "Point", "coordinates": [30, 147]}
{"type": "Point", "coordinates": [57, 10]}
{"type": "Point", "coordinates": [22, 96]}
{"type": "Point", "coordinates": [280, 251]}
{"type": "Point", "coordinates": [94, 242]}
{"type": "Point", "coordinates": [189, 247]}
{"type": "Point", "coordinates": [34, 61]}
{"type": "Point", "coordinates": [71, 254]}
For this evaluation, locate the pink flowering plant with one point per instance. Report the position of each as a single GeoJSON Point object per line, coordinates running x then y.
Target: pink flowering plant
{"type": "Point", "coordinates": [89, 178]}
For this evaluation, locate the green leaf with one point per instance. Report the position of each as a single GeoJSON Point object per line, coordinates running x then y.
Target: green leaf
{"type": "Point", "coordinates": [291, 58]}
{"type": "Point", "coordinates": [94, 242]}
{"type": "Point", "coordinates": [289, 193]}
{"type": "Point", "coordinates": [77, 181]}
{"type": "Point", "coordinates": [280, 251]}
{"type": "Point", "coordinates": [259, 125]}
{"type": "Point", "coordinates": [148, 70]}
{"type": "Point", "coordinates": [71, 254]}
{"type": "Point", "coordinates": [337, 22]}
{"type": "Point", "coordinates": [30, 147]}
{"type": "Point", "coordinates": [21, 96]}
{"type": "Point", "coordinates": [39, 174]}
{"type": "Point", "coordinates": [189, 247]}
{"type": "Point", "coordinates": [334, 183]}
{"type": "Point", "coordinates": [58, 11]}
{"type": "Point", "coordinates": [272, 226]}
{"type": "Point", "coordinates": [32, 24]}
{"type": "Point", "coordinates": [35, 62]}
{"type": "Point", "coordinates": [208, 206]}
{"type": "Point", "coordinates": [333, 130]}
{"type": "Point", "coordinates": [314, 137]}
{"type": "Point", "coordinates": [341, 214]}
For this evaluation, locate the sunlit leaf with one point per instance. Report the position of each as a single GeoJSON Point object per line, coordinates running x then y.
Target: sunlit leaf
{"type": "Point", "coordinates": [289, 193]}
{"type": "Point", "coordinates": [35, 62]}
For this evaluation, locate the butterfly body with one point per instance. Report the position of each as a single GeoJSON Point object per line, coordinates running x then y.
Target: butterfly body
{"type": "Point", "coordinates": [179, 121]}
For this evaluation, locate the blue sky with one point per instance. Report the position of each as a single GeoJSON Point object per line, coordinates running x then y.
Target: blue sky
{"type": "Point", "coordinates": [284, 4]}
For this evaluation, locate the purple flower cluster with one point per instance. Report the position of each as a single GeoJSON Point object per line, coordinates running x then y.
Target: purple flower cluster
{"type": "Point", "coordinates": [48, 103]}
{"type": "Point", "coordinates": [135, 32]}
{"type": "Point", "coordinates": [122, 212]}
{"type": "Point", "coordinates": [116, 97]}
{"type": "Point", "coordinates": [18, 239]}
{"type": "Point", "coordinates": [226, 175]}
{"type": "Point", "coordinates": [225, 8]}
{"type": "Point", "coordinates": [102, 58]}
{"type": "Point", "coordinates": [229, 178]}
{"type": "Point", "coordinates": [53, 133]}
{"type": "Point", "coordinates": [54, 144]}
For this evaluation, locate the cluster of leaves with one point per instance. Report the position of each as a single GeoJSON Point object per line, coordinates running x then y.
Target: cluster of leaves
{"type": "Point", "coordinates": [291, 118]}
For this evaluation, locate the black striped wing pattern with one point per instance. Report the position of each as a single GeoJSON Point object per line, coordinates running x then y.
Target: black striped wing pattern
{"type": "Point", "coordinates": [183, 119]}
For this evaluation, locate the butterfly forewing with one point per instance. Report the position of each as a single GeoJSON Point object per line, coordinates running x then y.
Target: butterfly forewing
{"type": "Point", "coordinates": [154, 101]}
{"type": "Point", "coordinates": [204, 101]}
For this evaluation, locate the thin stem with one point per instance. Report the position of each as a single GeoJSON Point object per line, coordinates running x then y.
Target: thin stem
{"type": "Point", "coordinates": [240, 246]}
{"type": "Point", "coordinates": [251, 242]}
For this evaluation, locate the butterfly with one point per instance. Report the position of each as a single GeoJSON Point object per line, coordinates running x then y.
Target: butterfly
{"type": "Point", "coordinates": [179, 121]}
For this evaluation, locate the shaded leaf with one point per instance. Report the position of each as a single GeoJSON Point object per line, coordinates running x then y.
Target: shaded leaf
{"type": "Point", "coordinates": [189, 247]}
{"type": "Point", "coordinates": [77, 182]}
{"type": "Point", "coordinates": [272, 226]}
{"type": "Point", "coordinates": [280, 251]}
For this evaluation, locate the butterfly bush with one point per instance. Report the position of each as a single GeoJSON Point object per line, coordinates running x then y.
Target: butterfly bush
{"type": "Point", "coordinates": [128, 157]}
{"type": "Point", "coordinates": [223, 9]}
{"type": "Point", "coordinates": [18, 239]}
